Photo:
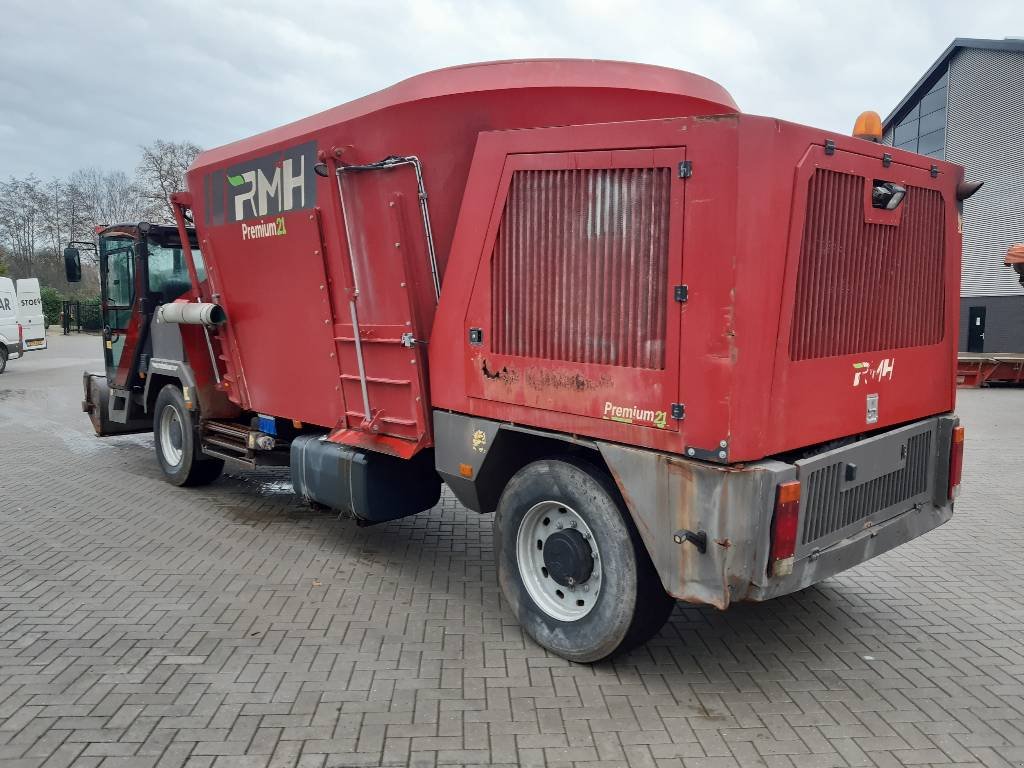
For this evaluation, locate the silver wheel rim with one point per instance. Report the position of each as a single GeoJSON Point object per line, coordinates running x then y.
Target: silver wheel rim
{"type": "Point", "coordinates": [565, 603]}
{"type": "Point", "coordinates": [170, 424]}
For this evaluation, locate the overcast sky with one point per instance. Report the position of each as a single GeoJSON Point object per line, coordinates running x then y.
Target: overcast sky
{"type": "Point", "coordinates": [85, 83]}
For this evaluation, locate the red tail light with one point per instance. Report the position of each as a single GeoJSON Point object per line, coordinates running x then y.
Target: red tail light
{"type": "Point", "coordinates": [956, 461]}
{"type": "Point", "coordinates": [21, 334]}
{"type": "Point", "coordinates": [784, 528]}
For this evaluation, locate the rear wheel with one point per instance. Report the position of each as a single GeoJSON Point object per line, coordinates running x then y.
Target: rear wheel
{"type": "Point", "coordinates": [3, 358]}
{"type": "Point", "coordinates": [174, 436]}
{"type": "Point", "coordinates": [572, 566]}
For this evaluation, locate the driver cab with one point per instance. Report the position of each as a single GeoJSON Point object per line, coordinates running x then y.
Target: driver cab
{"type": "Point", "coordinates": [141, 267]}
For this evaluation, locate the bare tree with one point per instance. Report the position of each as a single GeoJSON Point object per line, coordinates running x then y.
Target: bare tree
{"type": "Point", "coordinates": [38, 219]}
{"type": "Point", "coordinates": [161, 172]}
{"type": "Point", "coordinates": [105, 198]}
{"type": "Point", "coordinates": [21, 216]}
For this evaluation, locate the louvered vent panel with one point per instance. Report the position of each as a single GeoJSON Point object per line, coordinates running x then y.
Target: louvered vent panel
{"type": "Point", "coordinates": [829, 508]}
{"type": "Point", "coordinates": [580, 266]}
{"type": "Point", "coordinates": [867, 287]}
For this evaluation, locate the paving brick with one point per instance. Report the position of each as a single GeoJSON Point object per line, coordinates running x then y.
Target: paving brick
{"type": "Point", "coordinates": [147, 625]}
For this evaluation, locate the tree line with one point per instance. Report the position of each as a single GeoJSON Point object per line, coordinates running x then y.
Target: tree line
{"type": "Point", "coordinates": [38, 217]}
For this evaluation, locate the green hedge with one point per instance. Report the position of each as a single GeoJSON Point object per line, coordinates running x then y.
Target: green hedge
{"type": "Point", "coordinates": [92, 318]}
{"type": "Point", "coordinates": [52, 303]}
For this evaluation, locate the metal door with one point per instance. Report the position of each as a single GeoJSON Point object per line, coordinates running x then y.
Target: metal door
{"type": "Point", "coordinates": [118, 268]}
{"type": "Point", "coordinates": [582, 315]}
{"type": "Point", "coordinates": [976, 329]}
{"type": "Point", "coordinates": [392, 298]}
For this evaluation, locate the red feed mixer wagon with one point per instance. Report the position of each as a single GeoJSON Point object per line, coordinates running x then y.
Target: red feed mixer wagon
{"type": "Point", "coordinates": [679, 351]}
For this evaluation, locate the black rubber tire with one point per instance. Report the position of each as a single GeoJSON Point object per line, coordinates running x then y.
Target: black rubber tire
{"type": "Point", "coordinates": [632, 605]}
{"type": "Point", "coordinates": [191, 470]}
{"type": "Point", "coordinates": [3, 358]}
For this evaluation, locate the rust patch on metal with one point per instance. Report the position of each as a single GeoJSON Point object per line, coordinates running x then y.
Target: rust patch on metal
{"type": "Point", "coordinates": [724, 543]}
{"type": "Point", "coordinates": [714, 118]}
{"type": "Point", "coordinates": [544, 379]}
{"type": "Point", "coordinates": [504, 375]}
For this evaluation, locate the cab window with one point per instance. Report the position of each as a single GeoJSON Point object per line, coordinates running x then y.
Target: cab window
{"type": "Point", "coordinates": [168, 270]}
{"type": "Point", "coordinates": [118, 255]}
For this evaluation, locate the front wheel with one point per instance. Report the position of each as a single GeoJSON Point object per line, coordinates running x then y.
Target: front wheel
{"type": "Point", "coordinates": [571, 565]}
{"type": "Point", "coordinates": [174, 436]}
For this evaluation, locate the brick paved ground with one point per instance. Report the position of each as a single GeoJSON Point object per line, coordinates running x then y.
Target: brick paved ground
{"type": "Point", "coordinates": [145, 625]}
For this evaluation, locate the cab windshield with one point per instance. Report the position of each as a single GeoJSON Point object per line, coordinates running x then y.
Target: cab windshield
{"type": "Point", "coordinates": [168, 271]}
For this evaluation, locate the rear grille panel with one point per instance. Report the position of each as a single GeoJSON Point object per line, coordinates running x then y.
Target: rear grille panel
{"type": "Point", "coordinates": [829, 509]}
{"type": "Point", "coordinates": [865, 287]}
{"type": "Point", "coordinates": [580, 266]}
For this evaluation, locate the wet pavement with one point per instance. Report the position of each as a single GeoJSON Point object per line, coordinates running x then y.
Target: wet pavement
{"type": "Point", "coordinates": [145, 625]}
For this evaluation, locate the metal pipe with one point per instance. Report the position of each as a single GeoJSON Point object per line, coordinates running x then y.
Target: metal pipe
{"type": "Point", "coordinates": [213, 357]}
{"type": "Point", "coordinates": [187, 313]}
{"type": "Point", "coordinates": [359, 361]}
{"type": "Point", "coordinates": [352, 304]}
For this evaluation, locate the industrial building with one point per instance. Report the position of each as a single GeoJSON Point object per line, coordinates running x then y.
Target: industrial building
{"type": "Point", "coordinates": [968, 108]}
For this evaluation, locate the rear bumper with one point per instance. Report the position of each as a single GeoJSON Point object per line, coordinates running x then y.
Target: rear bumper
{"type": "Point", "coordinates": [857, 501]}
{"type": "Point", "coordinates": [856, 549]}
{"type": "Point", "coordinates": [13, 350]}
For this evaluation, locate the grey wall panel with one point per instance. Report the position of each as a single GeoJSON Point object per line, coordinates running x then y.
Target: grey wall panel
{"type": "Point", "coordinates": [1004, 322]}
{"type": "Point", "coordinates": [985, 134]}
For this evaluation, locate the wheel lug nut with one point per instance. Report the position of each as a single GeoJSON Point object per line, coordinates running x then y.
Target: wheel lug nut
{"type": "Point", "coordinates": [572, 523]}
{"type": "Point", "coordinates": [558, 525]}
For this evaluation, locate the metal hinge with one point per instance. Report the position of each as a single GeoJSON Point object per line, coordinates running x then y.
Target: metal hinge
{"type": "Point", "coordinates": [685, 169]}
{"type": "Point", "coordinates": [678, 411]}
{"type": "Point", "coordinates": [682, 293]}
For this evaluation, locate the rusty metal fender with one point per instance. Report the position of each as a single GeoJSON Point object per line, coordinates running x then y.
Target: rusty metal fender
{"type": "Point", "coordinates": [731, 505]}
{"type": "Point", "coordinates": [96, 403]}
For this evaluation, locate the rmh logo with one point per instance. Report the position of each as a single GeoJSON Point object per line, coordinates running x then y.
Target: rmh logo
{"type": "Point", "coordinates": [261, 187]}
{"type": "Point", "coordinates": [257, 195]}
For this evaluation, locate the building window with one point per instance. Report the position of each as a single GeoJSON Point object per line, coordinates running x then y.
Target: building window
{"type": "Point", "coordinates": [923, 128]}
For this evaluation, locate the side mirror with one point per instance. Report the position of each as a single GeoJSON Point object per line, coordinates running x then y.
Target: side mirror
{"type": "Point", "coordinates": [72, 265]}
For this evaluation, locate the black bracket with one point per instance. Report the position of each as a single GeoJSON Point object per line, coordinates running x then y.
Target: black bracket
{"type": "Point", "coordinates": [685, 169]}
{"type": "Point", "coordinates": [830, 147]}
{"type": "Point", "coordinates": [935, 171]}
{"type": "Point", "coordinates": [698, 539]}
{"type": "Point", "coordinates": [886, 159]}
{"type": "Point", "coordinates": [476, 336]}
{"type": "Point", "coordinates": [678, 411]}
{"type": "Point", "coordinates": [718, 455]}
{"type": "Point", "coordinates": [682, 293]}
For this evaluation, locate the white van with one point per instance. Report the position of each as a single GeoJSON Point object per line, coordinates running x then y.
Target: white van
{"type": "Point", "coordinates": [10, 328]}
{"type": "Point", "coordinates": [30, 314]}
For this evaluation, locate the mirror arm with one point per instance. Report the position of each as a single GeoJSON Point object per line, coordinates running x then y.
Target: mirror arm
{"type": "Point", "coordinates": [180, 201]}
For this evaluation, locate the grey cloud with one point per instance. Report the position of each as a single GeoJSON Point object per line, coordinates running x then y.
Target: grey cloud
{"type": "Point", "coordinates": [85, 84]}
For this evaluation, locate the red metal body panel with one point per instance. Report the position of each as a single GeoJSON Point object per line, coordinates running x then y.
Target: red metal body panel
{"type": "Point", "coordinates": [742, 226]}
{"type": "Point", "coordinates": [287, 284]}
{"type": "Point", "coordinates": [562, 252]}
{"type": "Point", "coordinates": [584, 288]}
